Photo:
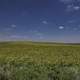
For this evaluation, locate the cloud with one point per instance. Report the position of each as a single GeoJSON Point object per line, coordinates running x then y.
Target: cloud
{"type": "Point", "coordinates": [61, 27]}
{"type": "Point", "coordinates": [33, 31]}
{"type": "Point", "coordinates": [72, 8]}
{"type": "Point", "coordinates": [18, 37]}
{"type": "Point", "coordinates": [13, 26]}
{"type": "Point", "coordinates": [71, 21]}
{"type": "Point", "coordinates": [75, 29]}
{"type": "Point", "coordinates": [44, 22]}
{"type": "Point", "coordinates": [71, 5]}
{"type": "Point", "coordinates": [67, 1]}
{"type": "Point", "coordinates": [76, 7]}
{"type": "Point", "coordinates": [9, 29]}
{"type": "Point", "coordinates": [40, 35]}
{"type": "Point", "coordinates": [36, 34]}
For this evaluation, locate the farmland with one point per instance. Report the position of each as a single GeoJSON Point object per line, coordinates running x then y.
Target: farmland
{"type": "Point", "coordinates": [39, 61]}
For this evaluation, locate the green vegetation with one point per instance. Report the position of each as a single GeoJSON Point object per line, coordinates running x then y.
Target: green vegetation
{"type": "Point", "coordinates": [39, 61]}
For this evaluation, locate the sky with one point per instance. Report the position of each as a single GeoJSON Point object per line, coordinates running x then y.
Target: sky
{"type": "Point", "coordinates": [40, 20]}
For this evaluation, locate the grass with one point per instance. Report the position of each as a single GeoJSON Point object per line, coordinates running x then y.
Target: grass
{"type": "Point", "coordinates": [39, 61]}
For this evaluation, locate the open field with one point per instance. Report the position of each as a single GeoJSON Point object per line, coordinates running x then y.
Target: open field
{"type": "Point", "coordinates": [39, 61]}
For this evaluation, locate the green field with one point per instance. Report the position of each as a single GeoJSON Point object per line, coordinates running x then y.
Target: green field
{"type": "Point", "coordinates": [39, 61]}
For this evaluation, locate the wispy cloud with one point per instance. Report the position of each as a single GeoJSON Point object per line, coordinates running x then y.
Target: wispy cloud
{"type": "Point", "coordinates": [71, 5]}
{"type": "Point", "coordinates": [61, 27]}
{"type": "Point", "coordinates": [75, 29]}
{"type": "Point", "coordinates": [72, 8]}
{"type": "Point", "coordinates": [44, 22]}
{"type": "Point", "coordinates": [39, 35]}
{"type": "Point", "coordinates": [71, 21]}
{"type": "Point", "coordinates": [18, 37]}
{"type": "Point", "coordinates": [33, 31]}
{"type": "Point", "coordinates": [76, 7]}
{"type": "Point", "coordinates": [36, 34]}
{"type": "Point", "coordinates": [8, 30]}
{"type": "Point", "coordinates": [13, 26]}
{"type": "Point", "coordinates": [67, 1]}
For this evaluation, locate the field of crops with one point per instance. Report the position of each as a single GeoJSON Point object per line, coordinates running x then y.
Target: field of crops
{"type": "Point", "coordinates": [39, 61]}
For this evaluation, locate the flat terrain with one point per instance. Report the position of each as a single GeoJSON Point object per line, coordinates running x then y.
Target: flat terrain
{"type": "Point", "coordinates": [39, 61]}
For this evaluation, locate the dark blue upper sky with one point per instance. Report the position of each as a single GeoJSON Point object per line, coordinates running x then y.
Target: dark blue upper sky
{"type": "Point", "coordinates": [50, 20]}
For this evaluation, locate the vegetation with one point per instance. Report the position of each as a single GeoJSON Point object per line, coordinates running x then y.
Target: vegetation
{"type": "Point", "coordinates": [39, 61]}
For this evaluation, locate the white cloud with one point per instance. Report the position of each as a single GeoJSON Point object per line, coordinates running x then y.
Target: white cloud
{"type": "Point", "coordinates": [44, 22]}
{"type": "Point", "coordinates": [70, 5]}
{"type": "Point", "coordinates": [13, 26]}
{"type": "Point", "coordinates": [72, 8]}
{"type": "Point", "coordinates": [67, 1]}
{"type": "Point", "coordinates": [76, 7]}
{"type": "Point", "coordinates": [61, 27]}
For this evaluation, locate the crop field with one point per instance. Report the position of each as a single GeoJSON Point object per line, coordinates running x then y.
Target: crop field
{"type": "Point", "coordinates": [39, 61]}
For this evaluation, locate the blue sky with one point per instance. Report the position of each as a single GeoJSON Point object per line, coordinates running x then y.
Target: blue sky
{"type": "Point", "coordinates": [42, 20]}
